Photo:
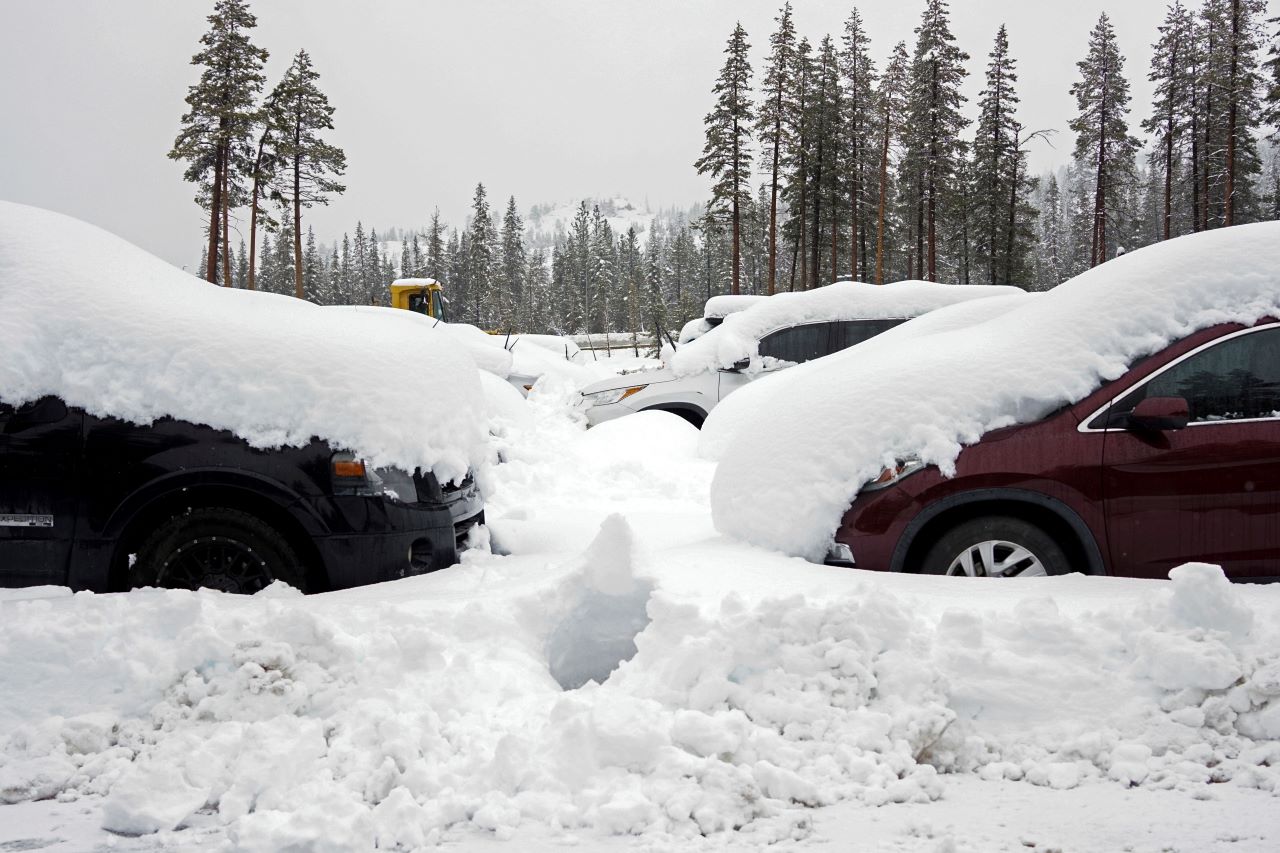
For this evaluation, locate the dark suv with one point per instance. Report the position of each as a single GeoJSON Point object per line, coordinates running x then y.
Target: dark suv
{"type": "Point", "coordinates": [101, 504]}
{"type": "Point", "coordinates": [1176, 461]}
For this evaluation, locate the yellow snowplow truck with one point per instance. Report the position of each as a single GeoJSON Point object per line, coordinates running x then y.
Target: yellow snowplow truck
{"type": "Point", "coordinates": [423, 295]}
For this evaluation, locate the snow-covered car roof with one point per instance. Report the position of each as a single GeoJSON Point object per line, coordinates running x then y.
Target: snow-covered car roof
{"type": "Point", "coordinates": [737, 338]}
{"type": "Point", "coordinates": [467, 338]}
{"type": "Point", "coordinates": [93, 319]}
{"type": "Point", "coordinates": [817, 437]}
{"type": "Point", "coordinates": [719, 307]}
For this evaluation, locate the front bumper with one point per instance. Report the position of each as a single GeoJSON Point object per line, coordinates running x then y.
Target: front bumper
{"type": "Point", "coordinates": [377, 539]}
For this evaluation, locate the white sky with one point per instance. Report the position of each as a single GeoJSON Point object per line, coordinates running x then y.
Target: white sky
{"type": "Point", "coordinates": [545, 99]}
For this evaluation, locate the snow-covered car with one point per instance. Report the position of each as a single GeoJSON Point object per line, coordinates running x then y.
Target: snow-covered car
{"type": "Point", "coordinates": [714, 312]}
{"type": "Point", "coordinates": [1019, 445]}
{"type": "Point", "coordinates": [161, 430]}
{"type": "Point", "coordinates": [768, 335]}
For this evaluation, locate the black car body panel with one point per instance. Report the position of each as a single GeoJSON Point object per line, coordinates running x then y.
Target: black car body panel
{"type": "Point", "coordinates": [79, 492]}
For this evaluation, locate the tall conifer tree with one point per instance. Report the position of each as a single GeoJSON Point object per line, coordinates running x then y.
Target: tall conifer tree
{"type": "Point", "coordinates": [726, 156]}
{"type": "Point", "coordinates": [1103, 145]}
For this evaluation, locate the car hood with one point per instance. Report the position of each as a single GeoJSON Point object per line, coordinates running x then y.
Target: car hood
{"type": "Point", "coordinates": [646, 376]}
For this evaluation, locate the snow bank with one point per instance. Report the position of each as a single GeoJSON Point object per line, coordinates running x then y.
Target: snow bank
{"type": "Point", "coordinates": [395, 718]}
{"type": "Point", "coordinates": [118, 332]}
{"type": "Point", "coordinates": [738, 336]}
{"type": "Point", "coordinates": [816, 438]}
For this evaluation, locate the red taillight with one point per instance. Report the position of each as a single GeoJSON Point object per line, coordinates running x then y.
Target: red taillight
{"type": "Point", "coordinates": [348, 469]}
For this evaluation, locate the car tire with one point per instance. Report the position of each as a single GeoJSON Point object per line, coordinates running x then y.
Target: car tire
{"type": "Point", "coordinates": [996, 546]}
{"type": "Point", "coordinates": [216, 548]}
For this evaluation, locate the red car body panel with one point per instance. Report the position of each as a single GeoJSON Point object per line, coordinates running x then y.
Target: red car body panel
{"type": "Point", "coordinates": [1131, 503]}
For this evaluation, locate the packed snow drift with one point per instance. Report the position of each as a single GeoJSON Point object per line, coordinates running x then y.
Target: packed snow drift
{"type": "Point", "coordinates": [816, 438]}
{"type": "Point", "coordinates": [737, 338]}
{"type": "Point", "coordinates": [114, 330]}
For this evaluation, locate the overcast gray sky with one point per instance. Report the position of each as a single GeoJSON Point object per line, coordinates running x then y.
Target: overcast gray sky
{"type": "Point", "coordinates": [549, 100]}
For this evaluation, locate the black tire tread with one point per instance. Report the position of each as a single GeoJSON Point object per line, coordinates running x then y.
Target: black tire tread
{"type": "Point", "coordinates": [282, 560]}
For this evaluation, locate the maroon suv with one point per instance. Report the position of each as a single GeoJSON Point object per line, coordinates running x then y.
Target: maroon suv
{"type": "Point", "coordinates": [1177, 460]}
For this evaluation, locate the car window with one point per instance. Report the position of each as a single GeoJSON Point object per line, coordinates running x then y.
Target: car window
{"type": "Point", "coordinates": [796, 344]}
{"type": "Point", "coordinates": [852, 332]}
{"type": "Point", "coordinates": [1236, 379]}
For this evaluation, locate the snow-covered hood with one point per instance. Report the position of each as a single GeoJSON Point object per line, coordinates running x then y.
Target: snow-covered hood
{"type": "Point", "coordinates": [644, 376]}
{"type": "Point", "coordinates": [737, 338]}
{"type": "Point", "coordinates": [813, 441]}
{"type": "Point", "coordinates": [118, 332]}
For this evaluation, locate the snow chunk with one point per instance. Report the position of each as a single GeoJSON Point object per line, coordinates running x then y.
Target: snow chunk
{"type": "Point", "coordinates": [817, 437]}
{"type": "Point", "coordinates": [118, 332]}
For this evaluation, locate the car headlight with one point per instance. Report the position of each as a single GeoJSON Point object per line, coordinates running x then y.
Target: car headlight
{"type": "Point", "coordinates": [894, 473]}
{"type": "Point", "coordinates": [613, 395]}
{"type": "Point", "coordinates": [351, 476]}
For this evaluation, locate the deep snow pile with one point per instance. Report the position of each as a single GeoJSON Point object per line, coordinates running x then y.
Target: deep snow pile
{"type": "Point", "coordinates": [757, 687]}
{"type": "Point", "coordinates": [116, 331]}
{"type": "Point", "coordinates": [403, 717]}
{"type": "Point", "coordinates": [834, 427]}
{"type": "Point", "coordinates": [737, 338]}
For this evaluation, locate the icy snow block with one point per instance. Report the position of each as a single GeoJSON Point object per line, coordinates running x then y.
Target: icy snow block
{"type": "Point", "coordinates": [152, 798]}
{"type": "Point", "coordinates": [597, 636]}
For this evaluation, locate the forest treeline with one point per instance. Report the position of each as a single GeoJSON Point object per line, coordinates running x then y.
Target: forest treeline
{"type": "Point", "coordinates": [826, 164]}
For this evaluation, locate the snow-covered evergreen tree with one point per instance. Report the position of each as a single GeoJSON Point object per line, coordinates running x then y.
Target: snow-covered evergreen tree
{"type": "Point", "coordinates": [1104, 148]}
{"type": "Point", "coordinates": [726, 156]}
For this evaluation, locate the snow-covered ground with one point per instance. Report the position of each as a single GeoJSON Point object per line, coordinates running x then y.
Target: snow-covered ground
{"type": "Point", "coordinates": [763, 700]}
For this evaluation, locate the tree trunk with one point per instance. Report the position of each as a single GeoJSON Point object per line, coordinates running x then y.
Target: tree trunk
{"type": "Point", "coordinates": [773, 192]}
{"type": "Point", "coordinates": [817, 211]}
{"type": "Point", "coordinates": [297, 210]}
{"type": "Point", "coordinates": [215, 212]}
{"type": "Point", "coordinates": [1233, 96]}
{"type": "Point", "coordinates": [884, 192]}
{"type": "Point", "coordinates": [735, 288]}
{"type": "Point", "coordinates": [933, 177]}
{"type": "Point", "coordinates": [253, 214]}
{"type": "Point", "coordinates": [226, 221]}
{"type": "Point", "coordinates": [1013, 211]}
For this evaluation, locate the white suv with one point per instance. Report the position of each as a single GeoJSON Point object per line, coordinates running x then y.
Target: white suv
{"type": "Point", "coordinates": [765, 336]}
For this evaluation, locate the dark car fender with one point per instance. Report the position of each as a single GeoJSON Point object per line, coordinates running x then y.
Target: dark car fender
{"type": "Point", "coordinates": [1092, 554]}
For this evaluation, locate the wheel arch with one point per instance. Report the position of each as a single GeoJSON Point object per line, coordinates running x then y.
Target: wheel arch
{"type": "Point", "coordinates": [691, 413]}
{"type": "Point", "coordinates": [1053, 516]}
{"type": "Point", "coordinates": [143, 512]}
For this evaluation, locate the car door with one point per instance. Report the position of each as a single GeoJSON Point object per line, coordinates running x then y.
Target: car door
{"type": "Point", "coordinates": [1211, 490]}
{"type": "Point", "coordinates": [39, 460]}
{"type": "Point", "coordinates": [781, 349]}
{"type": "Point", "coordinates": [850, 333]}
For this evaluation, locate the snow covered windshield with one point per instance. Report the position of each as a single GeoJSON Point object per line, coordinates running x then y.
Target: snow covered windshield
{"type": "Point", "coordinates": [737, 338]}
{"type": "Point", "coordinates": [118, 332]}
{"type": "Point", "coordinates": [812, 441]}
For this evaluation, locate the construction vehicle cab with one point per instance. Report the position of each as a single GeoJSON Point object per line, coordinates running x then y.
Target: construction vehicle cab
{"type": "Point", "coordinates": [423, 295]}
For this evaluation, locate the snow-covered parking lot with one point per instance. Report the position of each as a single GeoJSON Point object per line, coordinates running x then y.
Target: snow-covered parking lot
{"type": "Point", "coordinates": [768, 699]}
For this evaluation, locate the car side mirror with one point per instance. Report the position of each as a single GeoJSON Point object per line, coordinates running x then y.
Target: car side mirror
{"type": "Point", "coordinates": [740, 365]}
{"type": "Point", "coordinates": [1160, 413]}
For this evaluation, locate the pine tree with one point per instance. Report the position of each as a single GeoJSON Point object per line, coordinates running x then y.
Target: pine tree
{"type": "Point", "coordinates": [1049, 266]}
{"type": "Point", "coordinates": [1002, 211]}
{"type": "Point", "coordinates": [347, 268]}
{"type": "Point", "coordinates": [1103, 143]}
{"type": "Point", "coordinates": [242, 267]}
{"type": "Point", "coordinates": [435, 247]}
{"type": "Point", "coordinates": [726, 155]}
{"type": "Point", "coordinates": [826, 163]}
{"type": "Point", "coordinates": [215, 132]}
{"type": "Point", "coordinates": [512, 310]}
{"type": "Point", "coordinates": [1271, 84]}
{"type": "Point", "coordinates": [799, 143]}
{"type": "Point", "coordinates": [891, 107]}
{"type": "Point", "coordinates": [860, 118]}
{"type": "Point", "coordinates": [480, 258]}
{"type": "Point", "coordinates": [937, 72]}
{"type": "Point", "coordinates": [311, 270]}
{"type": "Point", "coordinates": [300, 112]}
{"type": "Point", "coordinates": [1242, 78]}
{"type": "Point", "coordinates": [771, 121]}
{"type": "Point", "coordinates": [1174, 99]}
